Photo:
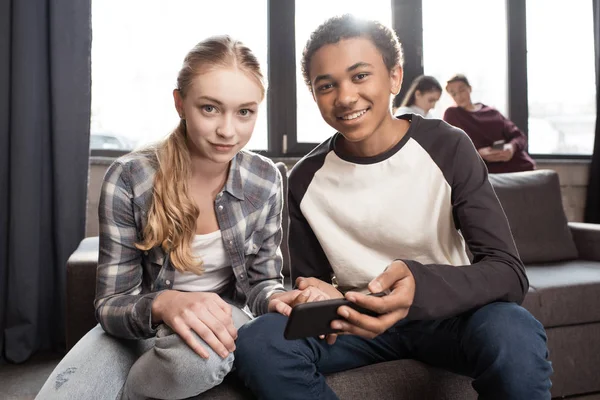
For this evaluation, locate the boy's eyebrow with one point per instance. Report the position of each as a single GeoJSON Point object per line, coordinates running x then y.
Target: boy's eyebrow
{"type": "Point", "coordinates": [358, 65]}
{"type": "Point", "coordinates": [248, 104]}
{"type": "Point", "coordinates": [321, 78]}
{"type": "Point", "coordinates": [351, 68]}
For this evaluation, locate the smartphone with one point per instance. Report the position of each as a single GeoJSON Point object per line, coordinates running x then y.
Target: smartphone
{"type": "Point", "coordinates": [314, 319]}
{"type": "Point", "coordinates": [498, 145]}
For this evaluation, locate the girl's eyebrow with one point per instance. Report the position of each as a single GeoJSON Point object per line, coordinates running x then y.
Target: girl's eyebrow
{"type": "Point", "coordinates": [218, 102]}
{"type": "Point", "coordinates": [210, 99]}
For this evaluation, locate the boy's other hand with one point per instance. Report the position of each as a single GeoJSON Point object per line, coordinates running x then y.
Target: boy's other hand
{"type": "Point", "coordinates": [391, 308]}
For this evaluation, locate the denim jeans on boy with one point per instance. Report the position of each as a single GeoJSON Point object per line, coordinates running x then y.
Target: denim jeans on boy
{"type": "Point", "coordinates": [501, 345]}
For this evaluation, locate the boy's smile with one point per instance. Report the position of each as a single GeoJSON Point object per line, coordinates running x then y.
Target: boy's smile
{"type": "Point", "coordinates": [353, 116]}
{"type": "Point", "coordinates": [352, 87]}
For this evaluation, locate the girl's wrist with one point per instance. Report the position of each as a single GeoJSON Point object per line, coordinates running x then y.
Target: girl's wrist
{"type": "Point", "coordinates": [158, 305]}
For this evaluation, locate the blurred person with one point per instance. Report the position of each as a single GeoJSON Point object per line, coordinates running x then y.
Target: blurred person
{"type": "Point", "coordinates": [424, 92]}
{"type": "Point", "coordinates": [501, 144]}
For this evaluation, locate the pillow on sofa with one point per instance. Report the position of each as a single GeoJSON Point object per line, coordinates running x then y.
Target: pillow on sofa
{"type": "Point", "coordinates": [533, 205]}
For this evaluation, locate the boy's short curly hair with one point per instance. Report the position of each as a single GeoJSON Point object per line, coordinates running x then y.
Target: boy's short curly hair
{"type": "Point", "coordinates": [348, 26]}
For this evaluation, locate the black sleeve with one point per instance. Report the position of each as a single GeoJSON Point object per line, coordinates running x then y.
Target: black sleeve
{"type": "Point", "coordinates": [306, 254]}
{"type": "Point", "coordinates": [497, 273]}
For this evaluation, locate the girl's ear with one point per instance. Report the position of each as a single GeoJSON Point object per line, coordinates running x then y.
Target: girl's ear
{"type": "Point", "coordinates": [178, 103]}
{"type": "Point", "coordinates": [396, 75]}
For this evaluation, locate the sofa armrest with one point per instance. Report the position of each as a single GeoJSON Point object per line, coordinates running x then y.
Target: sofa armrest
{"type": "Point", "coordinates": [81, 289]}
{"type": "Point", "coordinates": [587, 240]}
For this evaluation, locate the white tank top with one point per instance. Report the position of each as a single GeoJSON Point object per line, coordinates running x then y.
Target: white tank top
{"type": "Point", "coordinates": [217, 268]}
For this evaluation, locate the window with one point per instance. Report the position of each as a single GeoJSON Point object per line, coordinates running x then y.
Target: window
{"type": "Point", "coordinates": [108, 141]}
{"type": "Point", "coordinates": [468, 37]}
{"type": "Point", "coordinates": [561, 77]}
{"type": "Point", "coordinates": [309, 15]}
{"type": "Point", "coordinates": [137, 49]}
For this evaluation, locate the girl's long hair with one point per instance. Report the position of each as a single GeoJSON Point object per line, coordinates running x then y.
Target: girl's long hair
{"type": "Point", "coordinates": [173, 214]}
{"type": "Point", "coordinates": [423, 84]}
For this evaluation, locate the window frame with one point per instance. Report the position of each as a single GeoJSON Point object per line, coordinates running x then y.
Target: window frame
{"type": "Point", "coordinates": [407, 21]}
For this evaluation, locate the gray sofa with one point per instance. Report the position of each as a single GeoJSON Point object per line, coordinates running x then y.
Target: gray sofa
{"type": "Point", "coordinates": [563, 265]}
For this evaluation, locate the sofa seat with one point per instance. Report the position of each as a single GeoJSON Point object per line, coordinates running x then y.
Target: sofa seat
{"type": "Point", "coordinates": [404, 379]}
{"type": "Point", "coordinates": [560, 291]}
{"type": "Point", "coordinates": [563, 295]}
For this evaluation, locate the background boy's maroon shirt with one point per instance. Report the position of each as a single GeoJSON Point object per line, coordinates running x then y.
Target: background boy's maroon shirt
{"type": "Point", "coordinates": [487, 125]}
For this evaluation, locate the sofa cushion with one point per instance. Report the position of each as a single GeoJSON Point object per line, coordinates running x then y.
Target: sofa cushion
{"type": "Point", "coordinates": [564, 293]}
{"type": "Point", "coordinates": [81, 282]}
{"type": "Point", "coordinates": [532, 302]}
{"type": "Point", "coordinates": [285, 220]}
{"type": "Point", "coordinates": [401, 380]}
{"type": "Point", "coordinates": [575, 356]}
{"type": "Point", "coordinates": [533, 205]}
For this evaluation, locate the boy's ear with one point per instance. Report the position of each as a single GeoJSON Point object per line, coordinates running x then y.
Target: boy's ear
{"type": "Point", "coordinates": [396, 75]}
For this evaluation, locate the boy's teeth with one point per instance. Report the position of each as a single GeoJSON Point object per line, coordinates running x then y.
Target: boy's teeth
{"type": "Point", "coordinates": [355, 115]}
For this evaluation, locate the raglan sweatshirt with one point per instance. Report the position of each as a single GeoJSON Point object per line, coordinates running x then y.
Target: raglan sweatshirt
{"type": "Point", "coordinates": [421, 202]}
{"type": "Point", "coordinates": [484, 127]}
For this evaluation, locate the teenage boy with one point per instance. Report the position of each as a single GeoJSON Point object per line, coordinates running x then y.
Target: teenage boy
{"type": "Point", "coordinates": [389, 204]}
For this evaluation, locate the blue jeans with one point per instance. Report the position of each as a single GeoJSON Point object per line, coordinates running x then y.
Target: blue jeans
{"type": "Point", "coordinates": [501, 345]}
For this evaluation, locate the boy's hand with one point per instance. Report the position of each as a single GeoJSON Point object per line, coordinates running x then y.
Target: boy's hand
{"type": "Point", "coordinates": [392, 308]}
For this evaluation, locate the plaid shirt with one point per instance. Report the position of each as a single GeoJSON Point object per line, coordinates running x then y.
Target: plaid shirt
{"type": "Point", "coordinates": [248, 209]}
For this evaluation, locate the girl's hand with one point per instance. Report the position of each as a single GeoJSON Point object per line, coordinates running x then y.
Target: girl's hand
{"type": "Point", "coordinates": [304, 283]}
{"type": "Point", "coordinates": [283, 302]}
{"type": "Point", "coordinates": [205, 313]}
